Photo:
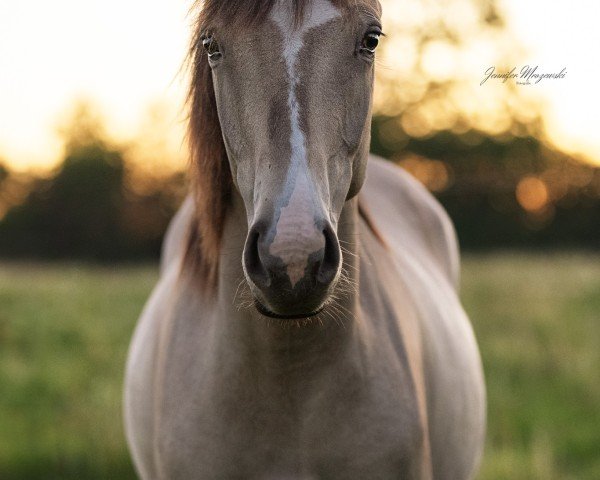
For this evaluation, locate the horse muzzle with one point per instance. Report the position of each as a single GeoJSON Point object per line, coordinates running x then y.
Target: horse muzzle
{"type": "Point", "coordinates": [292, 272]}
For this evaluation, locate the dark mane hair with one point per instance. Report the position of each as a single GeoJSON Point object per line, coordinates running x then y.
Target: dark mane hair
{"type": "Point", "coordinates": [210, 174]}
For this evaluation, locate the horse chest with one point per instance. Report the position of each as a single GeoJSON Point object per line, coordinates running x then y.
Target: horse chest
{"type": "Point", "coordinates": [228, 424]}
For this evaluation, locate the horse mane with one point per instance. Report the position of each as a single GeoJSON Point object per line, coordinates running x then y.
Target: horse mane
{"type": "Point", "coordinates": [211, 178]}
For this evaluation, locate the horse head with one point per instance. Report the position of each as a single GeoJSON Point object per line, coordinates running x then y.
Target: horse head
{"type": "Point", "coordinates": [293, 96]}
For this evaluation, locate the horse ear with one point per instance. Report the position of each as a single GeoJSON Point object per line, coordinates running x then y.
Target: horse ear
{"type": "Point", "coordinates": [211, 180]}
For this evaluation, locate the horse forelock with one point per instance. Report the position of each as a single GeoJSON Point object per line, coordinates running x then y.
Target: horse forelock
{"type": "Point", "coordinates": [247, 12]}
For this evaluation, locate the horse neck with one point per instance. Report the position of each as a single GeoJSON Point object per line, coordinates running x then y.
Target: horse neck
{"type": "Point", "coordinates": [286, 343]}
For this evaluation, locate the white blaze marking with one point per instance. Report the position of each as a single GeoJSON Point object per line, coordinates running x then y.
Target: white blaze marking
{"type": "Point", "coordinates": [296, 236]}
{"type": "Point", "coordinates": [321, 12]}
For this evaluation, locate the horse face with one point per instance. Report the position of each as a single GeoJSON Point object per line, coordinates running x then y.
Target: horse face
{"type": "Point", "coordinates": [294, 101]}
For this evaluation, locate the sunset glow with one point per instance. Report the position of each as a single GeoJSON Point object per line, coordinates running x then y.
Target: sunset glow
{"type": "Point", "coordinates": [126, 57]}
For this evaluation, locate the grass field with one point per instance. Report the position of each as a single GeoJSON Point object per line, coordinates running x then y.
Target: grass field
{"type": "Point", "coordinates": [64, 332]}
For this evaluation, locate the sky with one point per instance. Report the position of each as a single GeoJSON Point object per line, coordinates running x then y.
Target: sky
{"type": "Point", "coordinates": [127, 55]}
{"type": "Point", "coordinates": [564, 34]}
{"type": "Point", "coordinates": [123, 55]}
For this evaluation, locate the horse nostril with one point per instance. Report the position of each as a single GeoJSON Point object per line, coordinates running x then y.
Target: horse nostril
{"type": "Point", "coordinates": [331, 257]}
{"type": "Point", "coordinates": [252, 263]}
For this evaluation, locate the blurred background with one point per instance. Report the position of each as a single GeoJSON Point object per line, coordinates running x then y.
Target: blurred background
{"type": "Point", "coordinates": [93, 166]}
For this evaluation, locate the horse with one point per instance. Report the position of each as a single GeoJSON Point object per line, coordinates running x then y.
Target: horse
{"type": "Point", "coordinates": [306, 322]}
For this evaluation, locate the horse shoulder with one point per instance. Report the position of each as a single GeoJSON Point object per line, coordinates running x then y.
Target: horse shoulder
{"type": "Point", "coordinates": [404, 209]}
{"type": "Point", "coordinates": [421, 241]}
{"type": "Point", "coordinates": [144, 351]}
{"type": "Point", "coordinates": [140, 375]}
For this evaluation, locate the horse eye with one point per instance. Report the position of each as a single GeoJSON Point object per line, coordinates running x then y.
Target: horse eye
{"type": "Point", "coordinates": [370, 42]}
{"type": "Point", "coordinates": [211, 47]}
